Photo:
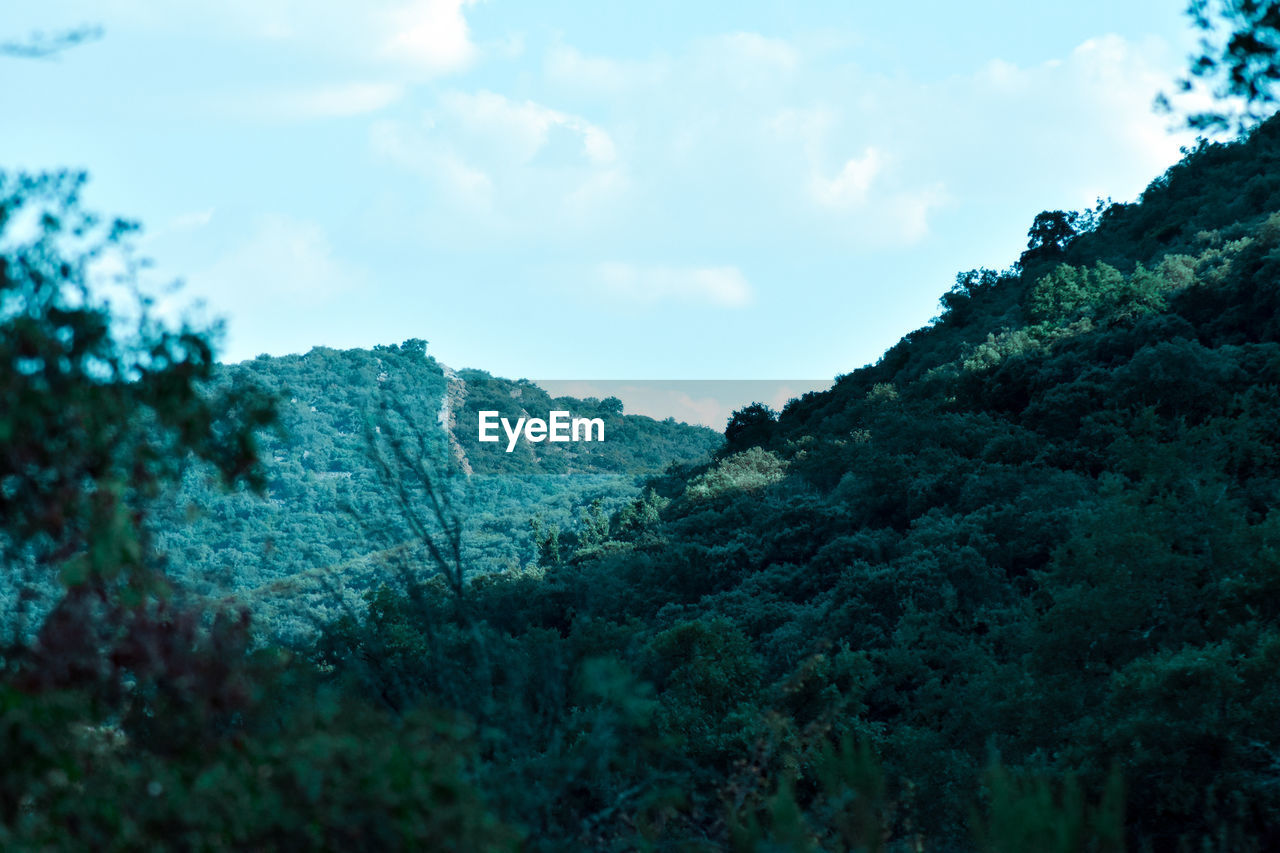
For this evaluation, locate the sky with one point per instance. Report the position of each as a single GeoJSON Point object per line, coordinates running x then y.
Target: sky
{"type": "Point", "coordinates": [586, 191]}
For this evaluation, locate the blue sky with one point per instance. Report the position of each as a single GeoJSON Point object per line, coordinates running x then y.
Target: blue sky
{"type": "Point", "coordinates": [574, 190]}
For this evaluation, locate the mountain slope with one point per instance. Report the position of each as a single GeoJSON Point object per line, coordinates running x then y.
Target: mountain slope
{"type": "Point", "coordinates": [1042, 529]}
{"type": "Point", "coordinates": [329, 527]}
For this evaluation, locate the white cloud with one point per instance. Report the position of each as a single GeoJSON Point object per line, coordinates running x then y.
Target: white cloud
{"type": "Point", "coordinates": [426, 155]}
{"type": "Point", "coordinates": [419, 38]}
{"type": "Point", "coordinates": [522, 163]}
{"type": "Point", "coordinates": [525, 125]}
{"type": "Point", "coordinates": [723, 286]}
{"type": "Point", "coordinates": [872, 196]}
{"type": "Point", "coordinates": [1088, 115]}
{"type": "Point", "coordinates": [429, 34]}
{"type": "Point", "coordinates": [340, 101]}
{"type": "Point", "coordinates": [851, 185]}
{"type": "Point", "coordinates": [737, 127]}
{"type": "Point", "coordinates": [1118, 77]}
{"type": "Point", "coordinates": [1084, 127]}
{"type": "Point", "coordinates": [191, 220]}
{"type": "Point", "coordinates": [759, 131]}
{"type": "Point", "coordinates": [754, 49]}
{"type": "Point", "coordinates": [907, 213]}
{"type": "Point", "coordinates": [1005, 76]}
{"type": "Point", "coordinates": [765, 137]}
{"type": "Point", "coordinates": [284, 258]}
{"type": "Point", "coordinates": [599, 189]}
{"type": "Point", "coordinates": [808, 128]}
{"type": "Point", "coordinates": [568, 67]}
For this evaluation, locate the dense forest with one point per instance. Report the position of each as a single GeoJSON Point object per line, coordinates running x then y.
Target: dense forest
{"type": "Point", "coordinates": [1015, 586]}
{"type": "Point", "coordinates": [328, 524]}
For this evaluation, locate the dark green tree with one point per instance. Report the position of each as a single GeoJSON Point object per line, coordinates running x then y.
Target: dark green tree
{"type": "Point", "coordinates": [749, 426]}
{"type": "Point", "coordinates": [100, 404]}
{"type": "Point", "coordinates": [1051, 232]}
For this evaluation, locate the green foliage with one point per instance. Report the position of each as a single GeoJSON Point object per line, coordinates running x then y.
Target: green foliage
{"type": "Point", "coordinates": [751, 470]}
{"type": "Point", "coordinates": [340, 778]}
{"type": "Point", "coordinates": [1050, 234]}
{"type": "Point", "coordinates": [336, 522]}
{"type": "Point", "coordinates": [548, 544]}
{"type": "Point", "coordinates": [847, 811]}
{"type": "Point", "coordinates": [1044, 528]}
{"type": "Point", "coordinates": [707, 666]}
{"type": "Point", "coordinates": [96, 412]}
{"type": "Point", "coordinates": [750, 425]}
{"type": "Point", "coordinates": [1033, 814]}
{"type": "Point", "coordinates": [1103, 294]}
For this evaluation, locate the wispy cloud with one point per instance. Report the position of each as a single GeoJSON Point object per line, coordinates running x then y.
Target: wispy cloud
{"type": "Point", "coordinates": [192, 220]}
{"type": "Point", "coordinates": [525, 126]}
{"type": "Point", "coordinates": [1089, 114]}
{"type": "Point", "coordinates": [568, 67]}
{"type": "Point", "coordinates": [430, 157]}
{"type": "Point", "coordinates": [419, 39]}
{"type": "Point", "coordinates": [852, 184]}
{"type": "Point", "coordinates": [284, 260]}
{"type": "Point", "coordinates": [341, 101]}
{"type": "Point", "coordinates": [311, 103]}
{"type": "Point", "coordinates": [759, 128]}
{"type": "Point", "coordinates": [757, 50]}
{"type": "Point", "coordinates": [722, 286]}
{"type": "Point", "coordinates": [522, 160]}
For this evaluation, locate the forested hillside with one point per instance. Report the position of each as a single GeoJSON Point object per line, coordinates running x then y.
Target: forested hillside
{"type": "Point", "coordinates": [1014, 587]}
{"type": "Point", "coordinates": [329, 527]}
{"type": "Point", "coordinates": [1038, 534]}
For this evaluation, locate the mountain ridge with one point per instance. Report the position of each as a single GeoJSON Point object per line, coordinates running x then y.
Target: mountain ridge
{"type": "Point", "coordinates": [327, 504]}
{"type": "Point", "coordinates": [1043, 528]}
